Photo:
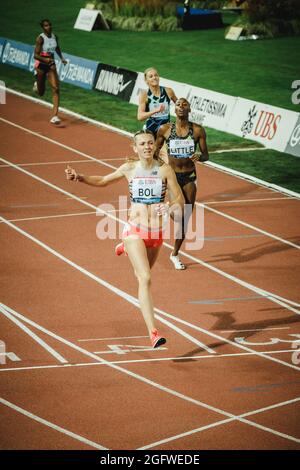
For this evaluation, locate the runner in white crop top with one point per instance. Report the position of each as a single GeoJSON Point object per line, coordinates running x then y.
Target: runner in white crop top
{"type": "Point", "coordinates": [148, 180]}
{"type": "Point", "coordinates": [45, 47]}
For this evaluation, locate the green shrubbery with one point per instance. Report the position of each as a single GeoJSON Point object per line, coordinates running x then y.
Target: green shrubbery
{"type": "Point", "coordinates": [271, 18]}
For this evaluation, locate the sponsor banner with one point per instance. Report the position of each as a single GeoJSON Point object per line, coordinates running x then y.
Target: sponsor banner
{"type": "Point", "coordinates": [78, 71]}
{"type": "Point", "coordinates": [210, 108]}
{"type": "Point", "coordinates": [116, 81]}
{"type": "Point", "coordinates": [293, 145]}
{"type": "Point", "coordinates": [2, 44]}
{"type": "Point", "coordinates": [17, 54]}
{"type": "Point", "coordinates": [269, 125]}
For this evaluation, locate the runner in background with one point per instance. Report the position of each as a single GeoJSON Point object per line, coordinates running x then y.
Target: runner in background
{"type": "Point", "coordinates": [182, 138]}
{"type": "Point", "coordinates": [45, 46]}
{"type": "Point", "coordinates": [154, 103]}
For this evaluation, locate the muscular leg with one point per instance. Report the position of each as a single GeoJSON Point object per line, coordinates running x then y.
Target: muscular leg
{"type": "Point", "coordinates": [54, 82]}
{"type": "Point", "coordinates": [137, 253]}
{"type": "Point", "coordinates": [41, 82]}
{"type": "Point", "coordinates": [189, 191]}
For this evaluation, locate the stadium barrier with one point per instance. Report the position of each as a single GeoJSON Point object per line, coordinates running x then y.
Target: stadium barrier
{"type": "Point", "coordinates": [275, 128]}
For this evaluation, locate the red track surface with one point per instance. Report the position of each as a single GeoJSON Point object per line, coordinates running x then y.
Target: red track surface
{"type": "Point", "coordinates": [180, 394]}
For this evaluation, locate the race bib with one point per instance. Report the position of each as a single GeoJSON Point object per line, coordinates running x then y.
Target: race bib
{"type": "Point", "coordinates": [146, 190]}
{"type": "Point", "coordinates": [181, 148]}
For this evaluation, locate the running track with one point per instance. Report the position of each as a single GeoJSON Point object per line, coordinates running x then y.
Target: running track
{"type": "Point", "coordinates": [76, 369]}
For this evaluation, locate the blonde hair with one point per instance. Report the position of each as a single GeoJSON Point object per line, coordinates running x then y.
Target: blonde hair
{"type": "Point", "coordinates": [148, 70]}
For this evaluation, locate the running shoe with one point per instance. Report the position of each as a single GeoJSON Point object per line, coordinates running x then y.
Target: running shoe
{"type": "Point", "coordinates": [157, 340]}
{"type": "Point", "coordinates": [55, 120]}
{"type": "Point", "coordinates": [35, 87]}
{"type": "Point", "coordinates": [119, 250]}
{"type": "Point", "coordinates": [177, 263]}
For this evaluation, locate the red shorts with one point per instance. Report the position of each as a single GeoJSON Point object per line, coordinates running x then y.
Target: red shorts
{"type": "Point", "coordinates": [152, 239]}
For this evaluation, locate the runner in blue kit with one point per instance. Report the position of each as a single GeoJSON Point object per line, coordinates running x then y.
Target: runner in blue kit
{"type": "Point", "coordinates": [148, 180]}
{"type": "Point", "coordinates": [182, 138]}
{"type": "Point", "coordinates": [154, 103]}
{"type": "Point", "coordinates": [45, 47]}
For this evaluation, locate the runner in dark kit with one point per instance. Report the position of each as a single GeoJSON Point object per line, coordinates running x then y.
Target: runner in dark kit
{"type": "Point", "coordinates": [182, 138]}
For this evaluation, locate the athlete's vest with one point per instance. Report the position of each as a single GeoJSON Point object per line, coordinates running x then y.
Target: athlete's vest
{"type": "Point", "coordinates": [146, 186]}
{"type": "Point", "coordinates": [154, 122]}
{"type": "Point", "coordinates": [49, 44]}
{"type": "Point", "coordinates": [181, 147]}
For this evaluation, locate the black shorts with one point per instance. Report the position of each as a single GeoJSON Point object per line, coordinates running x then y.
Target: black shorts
{"type": "Point", "coordinates": [45, 67]}
{"type": "Point", "coordinates": [185, 178]}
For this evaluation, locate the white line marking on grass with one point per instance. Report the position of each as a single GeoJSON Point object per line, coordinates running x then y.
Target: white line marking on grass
{"type": "Point", "coordinates": [51, 425]}
{"type": "Point", "coordinates": [141, 361]}
{"type": "Point", "coordinates": [135, 302]}
{"type": "Point", "coordinates": [32, 335]}
{"type": "Point", "coordinates": [225, 421]}
{"type": "Point", "coordinates": [140, 377]}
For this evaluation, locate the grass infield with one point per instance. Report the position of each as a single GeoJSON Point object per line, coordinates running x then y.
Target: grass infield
{"type": "Point", "coordinates": [258, 70]}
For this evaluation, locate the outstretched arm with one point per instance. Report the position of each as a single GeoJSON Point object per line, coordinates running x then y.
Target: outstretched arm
{"type": "Point", "coordinates": [72, 175]}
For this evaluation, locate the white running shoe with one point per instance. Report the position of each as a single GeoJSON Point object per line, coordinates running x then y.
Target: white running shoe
{"type": "Point", "coordinates": [55, 120]}
{"type": "Point", "coordinates": [177, 263]}
{"type": "Point", "coordinates": [35, 87]}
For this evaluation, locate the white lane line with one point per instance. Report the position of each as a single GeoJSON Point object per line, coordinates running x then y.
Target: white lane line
{"type": "Point", "coordinates": [50, 217]}
{"type": "Point", "coordinates": [257, 329]}
{"type": "Point", "coordinates": [214, 166]}
{"type": "Point", "coordinates": [138, 361]}
{"type": "Point", "coordinates": [225, 421]}
{"type": "Point", "coordinates": [106, 339]}
{"type": "Point", "coordinates": [252, 227]}
{"type": "Point", "coordinates": [140, 377]}
{"type": "Point", "coordinates": [252, 200]}
{"type": "Point", "coordinates": [51, 425]}
{"type": "Point", "coordinates": [135, 302]}
{"type": "Point", "coordinates": [66, 147]}
{"type": "Point", "coordinates": [242, 149]}
{"type": "Point", "coordinates": [32, 335]}
{"type": "Point", "coordinates": [264, 232]}
{"type": "Point", "coordinates": [48, 163]}
{"type": "Point", "coordinates": [65, 162]}
{"type": "Point", "coordinates": [272, 297]}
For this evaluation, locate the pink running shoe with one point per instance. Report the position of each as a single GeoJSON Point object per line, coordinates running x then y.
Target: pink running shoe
{"type": "Point", "coordinates": [119, 250]}
{"type": "Point", "coordinates": [157, 340]}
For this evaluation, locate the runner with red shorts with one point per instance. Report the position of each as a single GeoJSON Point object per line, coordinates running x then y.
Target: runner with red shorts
{"type": "Point", "coordinates": [148, 180]}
